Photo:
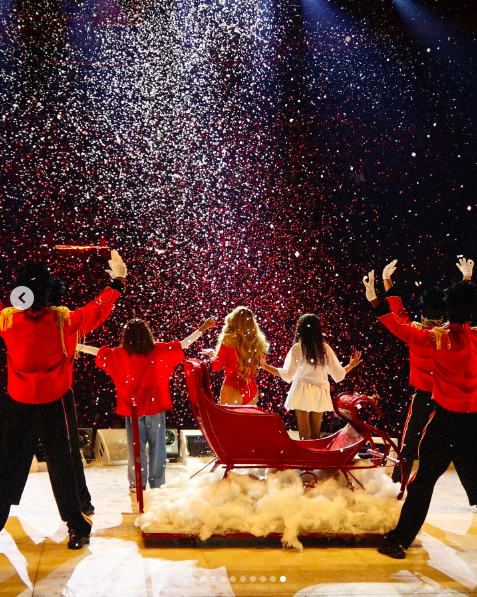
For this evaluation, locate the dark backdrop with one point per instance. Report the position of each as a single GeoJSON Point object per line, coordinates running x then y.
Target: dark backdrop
{"type": "Point", "coordinates": [262, 154]}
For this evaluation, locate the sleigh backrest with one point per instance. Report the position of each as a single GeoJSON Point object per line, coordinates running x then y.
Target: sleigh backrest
{"type": "Point", "coordinates": [198, 389]}
{"type": "Point", "coordinates": [357, 410]}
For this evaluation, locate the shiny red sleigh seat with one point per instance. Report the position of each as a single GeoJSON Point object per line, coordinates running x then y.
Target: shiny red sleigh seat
{"type": "Point", "coordinates": [248, 437]}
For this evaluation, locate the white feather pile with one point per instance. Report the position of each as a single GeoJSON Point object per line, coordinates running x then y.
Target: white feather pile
{"type": "Point", "coordinates": [279, 503]}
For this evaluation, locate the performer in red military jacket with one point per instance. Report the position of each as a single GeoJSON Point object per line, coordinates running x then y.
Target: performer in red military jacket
{"type": "Point", "coordinates": [420, 360]}
{"type": "Point", "coordinates": [450, 434]}
{"type": "Point", "coordinates": [41, 344]}
{"type": "Point", "coordinates": [422, 405]}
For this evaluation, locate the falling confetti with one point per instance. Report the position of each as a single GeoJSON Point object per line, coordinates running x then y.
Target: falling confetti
{"type": "Point", "coordinates": [265, 154]}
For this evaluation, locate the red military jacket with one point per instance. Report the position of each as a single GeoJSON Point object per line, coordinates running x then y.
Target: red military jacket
{"type": "Point", "coordinates": [420, 359]}
{"type": "Point", "coordinates": [142, 378]}
{"type": "Point", "coordinates": [453, 350]}
{"type": "Point", "coordinates": [41, 346]}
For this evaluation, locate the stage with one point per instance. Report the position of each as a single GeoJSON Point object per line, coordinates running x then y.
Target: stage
{"type": "Point", "coordinates": [34, 558]}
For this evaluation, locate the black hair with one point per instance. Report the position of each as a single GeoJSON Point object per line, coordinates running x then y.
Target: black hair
{"type": "Point", "coordinates": [310, 333]}
{"type": "Point", "coordinates": [36, 277]}
{"type": "Point", "coordinates": [432, 303]}
{"type": "Point", "coordinates": [137, 337]}
{"type": "Point", "coordinates": [461, 302]}
{"type": "Point", "coordinates": [47, 289]}
{"type": "Point", "coordinates": [57, 289]}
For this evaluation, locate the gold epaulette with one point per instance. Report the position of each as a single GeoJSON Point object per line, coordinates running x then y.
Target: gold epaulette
{"type": "Point", "coordinates": [6, 317]}
{"type": "Point", "coordinates": [438, 333]}
{"type": "Point", "coordinates": [416, 324]}
{"type": "Point", "coordinates": [62, 316]}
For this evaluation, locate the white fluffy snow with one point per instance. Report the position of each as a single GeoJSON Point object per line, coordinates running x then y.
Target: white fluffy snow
{"type": "Point", "coordinates": [277, 503]}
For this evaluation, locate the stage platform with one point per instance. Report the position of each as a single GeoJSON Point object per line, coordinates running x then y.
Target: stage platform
{"type": "Point", "coordinates": [34, 559]}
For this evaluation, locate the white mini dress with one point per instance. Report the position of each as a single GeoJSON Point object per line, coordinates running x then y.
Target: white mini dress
{"type": "Point", "coordinates": [310, 388]}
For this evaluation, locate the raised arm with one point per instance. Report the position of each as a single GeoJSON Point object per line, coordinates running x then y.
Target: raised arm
{"type": "Point", "coordinates": [219, 361]}
{"type": "Point", "coordinates": [403, 329]}
{"type": "Point", "coordinates": [266, 367]}
{"type": "Point", "coordinates": [400, 328]}
{"type": "Point", "coordinates": [208, 323]}
{"type": "Point", "coordinates": [96, 312]}
{"type": "Point", "coordinates": [395, 302]}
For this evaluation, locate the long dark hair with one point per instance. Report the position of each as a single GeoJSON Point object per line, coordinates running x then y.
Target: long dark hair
{"type": "Point", "coordinates": [137, 337]}
{"type": "Point", "coordinates": [310, 333]}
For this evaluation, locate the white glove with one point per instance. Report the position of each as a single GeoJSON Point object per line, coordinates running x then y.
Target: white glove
{"type": "Point", "coordinates": [466, 266]}
{"type": "Point", "coordinates": [389, 270]}
{"type": "Point", "coordinates": [117, 265]}
{"type": "Point", "coordinates": [369, 283]}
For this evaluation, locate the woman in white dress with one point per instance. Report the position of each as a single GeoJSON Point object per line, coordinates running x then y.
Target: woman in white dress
{"type": "Point", "coordinates": [307, 366]}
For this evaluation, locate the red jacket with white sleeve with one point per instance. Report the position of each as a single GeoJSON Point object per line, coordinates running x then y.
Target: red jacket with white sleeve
{"type": "Point", "coordinates": [142, 378]}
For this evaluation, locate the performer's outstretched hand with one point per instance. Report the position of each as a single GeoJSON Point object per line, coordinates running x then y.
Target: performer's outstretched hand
{"type": "Point", "coordinates": [388, 271]}
{"type": "Point", "coordinates": [118, 269]}
{"type": "Point", "coordinates": [466, 266]}
{"type": "Point", "coordinates": [208, 323]}
{"type": "Point", "coordinates": [266, 367]}
{"type": "Point", "coordinates": [207, 352]}
{"type": "Point", "coordinates": [368, 281]}
{"type": "Point", "coordinates": [356, 359]}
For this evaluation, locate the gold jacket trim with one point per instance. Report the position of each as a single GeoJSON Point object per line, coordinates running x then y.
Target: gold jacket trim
{"type": "Point", "coordinates": [6, 318]}
{"type": "Point", "coordinates": [439, 333]}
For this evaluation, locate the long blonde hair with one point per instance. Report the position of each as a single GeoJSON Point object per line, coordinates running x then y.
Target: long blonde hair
{"type": "Point", "coordinates": [241, 331]}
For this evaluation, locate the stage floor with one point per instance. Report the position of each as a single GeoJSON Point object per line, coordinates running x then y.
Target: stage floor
{"type": "Point", "coordinates": [34, 559]}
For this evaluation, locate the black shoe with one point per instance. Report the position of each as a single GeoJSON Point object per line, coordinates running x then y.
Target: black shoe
{"type": "Point", "coordinates": [392, 549]}
{"type": "Point", "coordinates": [87, 508]}
{"type": "Point", "coordinates": [77, 539]}
{"type": "Point", "coordinates": [4, 513]}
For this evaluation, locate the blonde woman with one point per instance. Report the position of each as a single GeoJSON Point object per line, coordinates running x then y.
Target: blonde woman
{"type": "Point", "coordinates": [239, 348]}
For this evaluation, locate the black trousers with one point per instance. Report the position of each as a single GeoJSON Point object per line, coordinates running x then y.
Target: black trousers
{"type": "Point", "coordinates": [420, 411]}
{"type": "Point", "coordinates": [70, 411]}
{"type": "Point", "coordinates": [448, 437]}
{"type": "Point", "coordinates": [21, 425]}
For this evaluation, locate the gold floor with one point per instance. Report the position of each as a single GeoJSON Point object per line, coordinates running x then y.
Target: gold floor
{"type": "Point", "coordinates": [34, 559]}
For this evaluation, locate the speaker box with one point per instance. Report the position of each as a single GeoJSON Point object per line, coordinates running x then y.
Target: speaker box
{"type": "Point", "coordinates": [86, 442]}
{"type": "Point", "coordinates": [193, 444]}
{"type": "Point", "coordinates": [111, 447]}
{"type": "Point", "coordinates": [172, 444]}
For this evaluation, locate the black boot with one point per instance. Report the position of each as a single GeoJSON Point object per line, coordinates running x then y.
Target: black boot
{"type": "Point", "coordinates": [392, 548]}
{"type": "Point", "coordinates": [79, 537]}
{"type": "Point", "coordinates": [4, 513]}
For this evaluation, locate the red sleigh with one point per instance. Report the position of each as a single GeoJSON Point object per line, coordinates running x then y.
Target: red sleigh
{"type": "Point", "coordinates": [249, 437]}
